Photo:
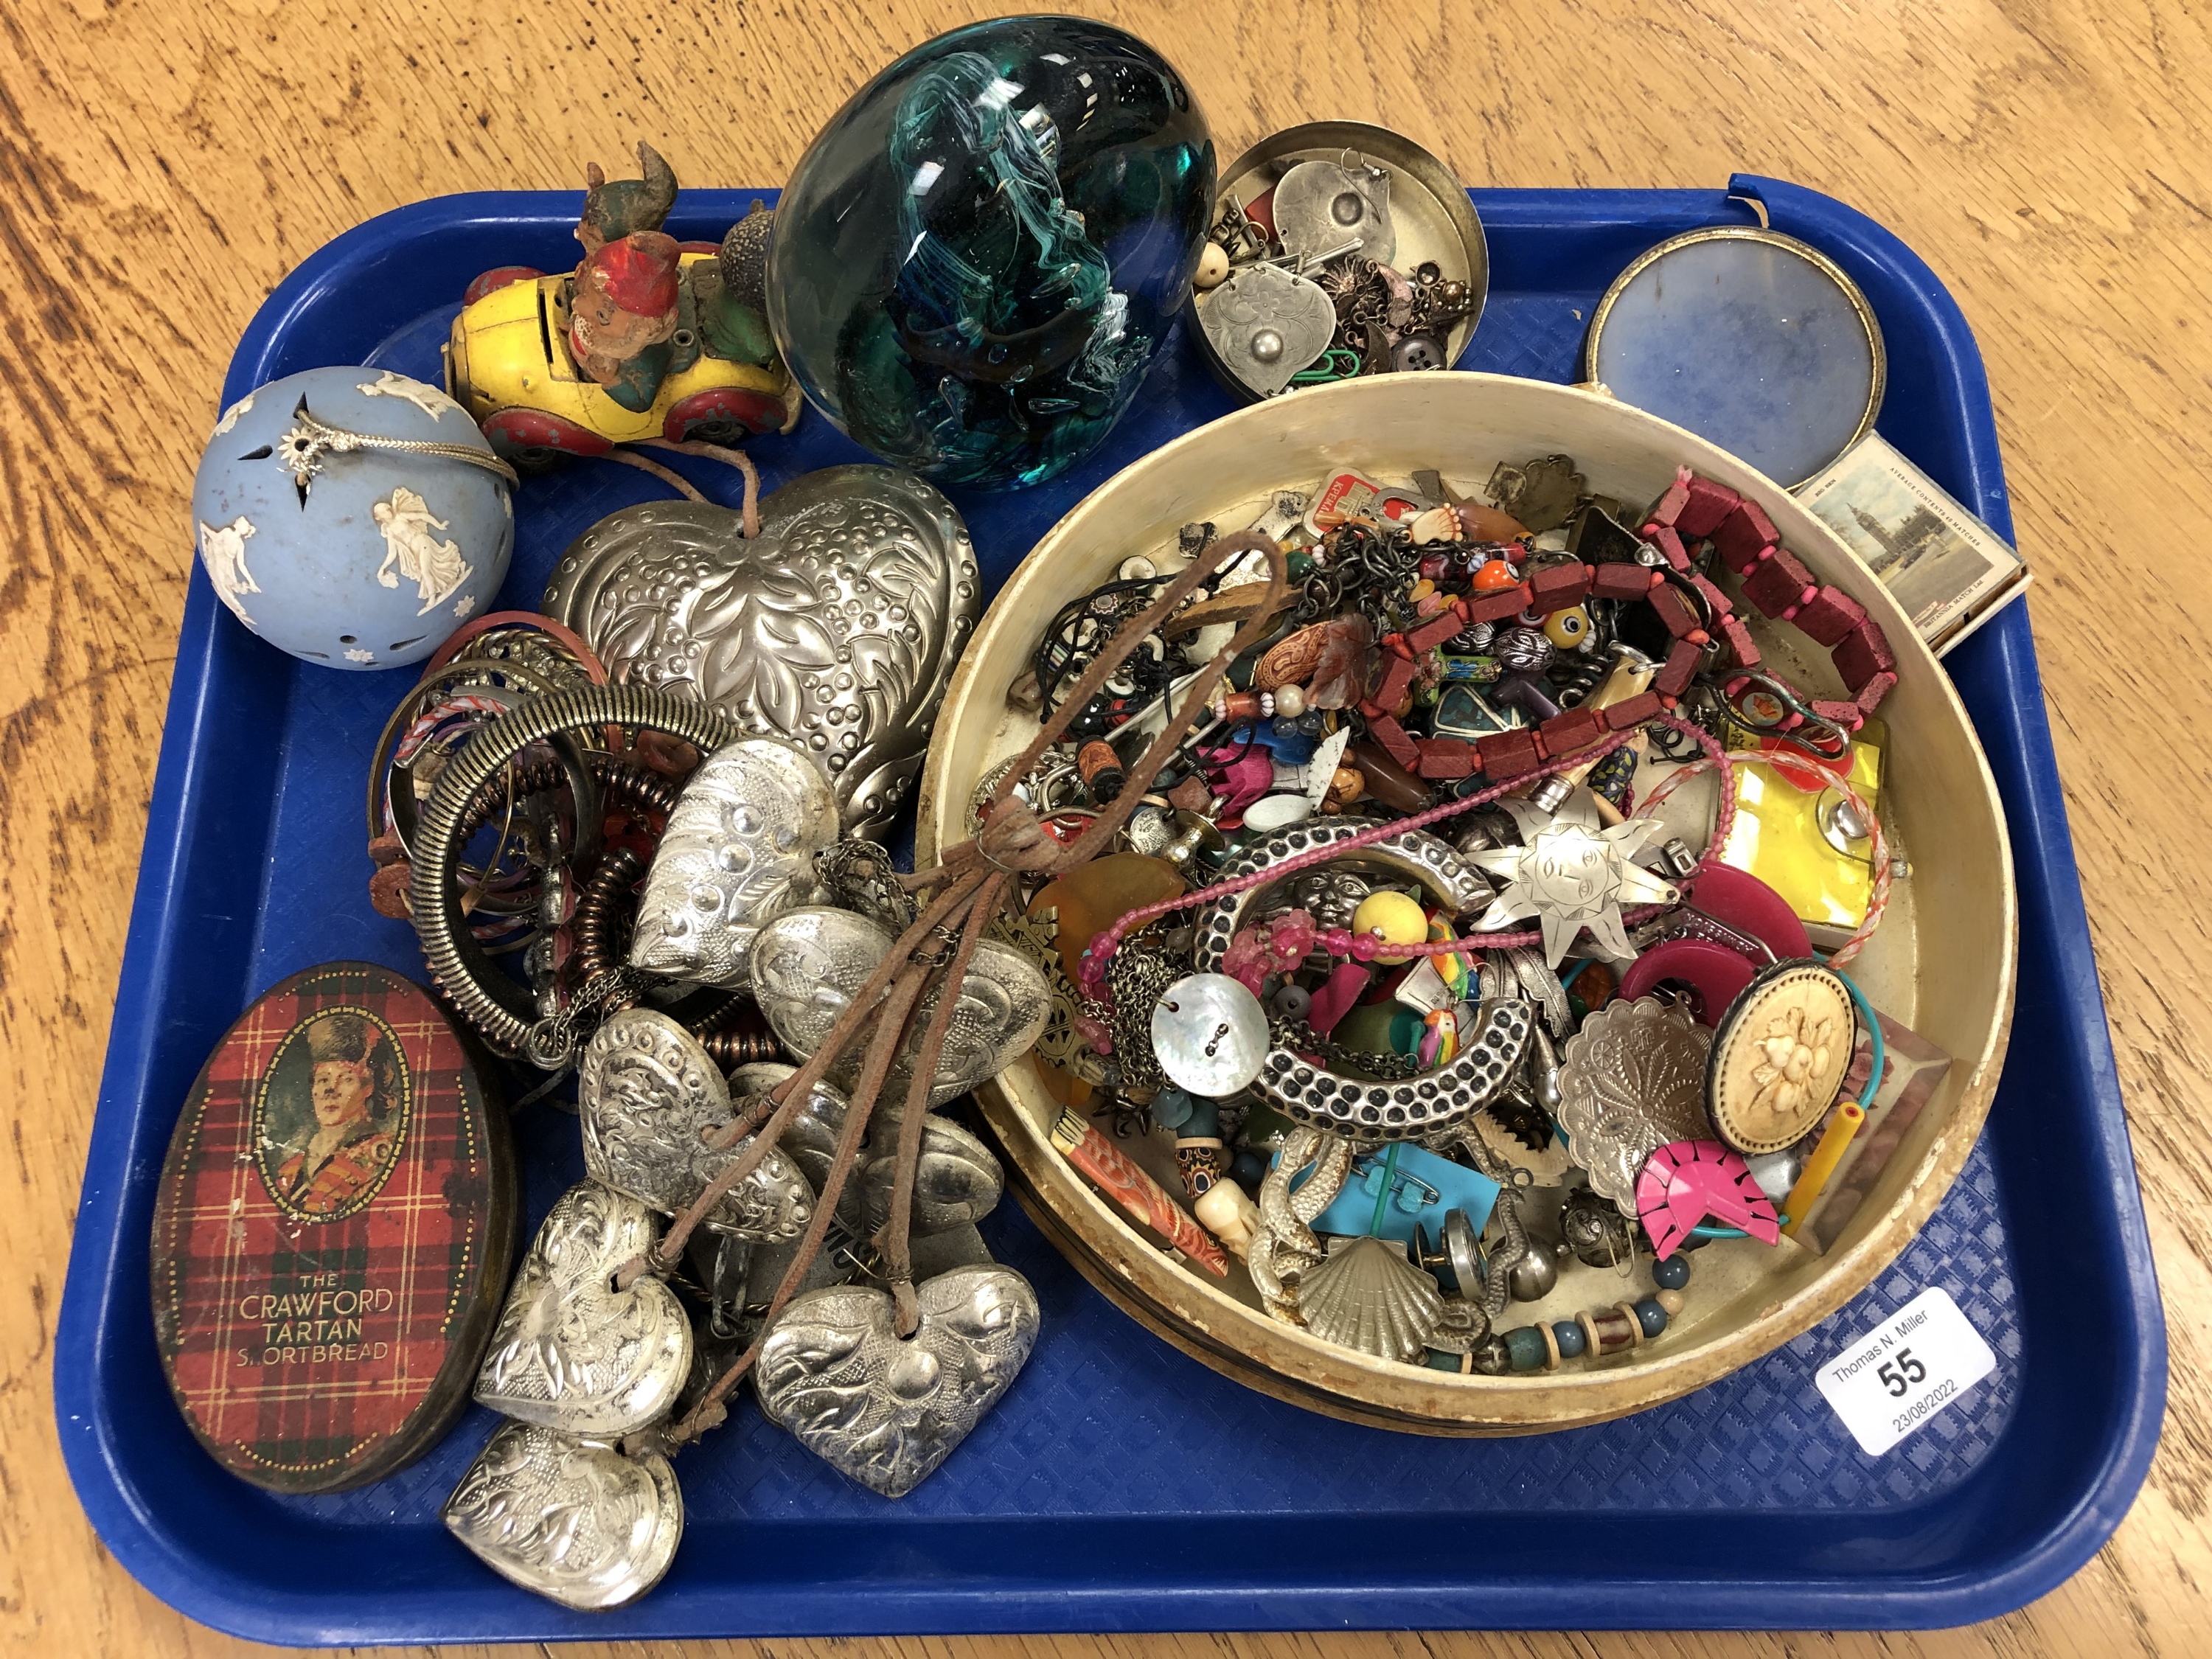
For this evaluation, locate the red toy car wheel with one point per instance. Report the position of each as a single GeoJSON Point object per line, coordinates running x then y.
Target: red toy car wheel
{"type": "Point", "coordinates": [531, 437]}
{"type": "Point", "coordinates": [725, 414]}
{"type": "Point", "coordinates": [497, 278]}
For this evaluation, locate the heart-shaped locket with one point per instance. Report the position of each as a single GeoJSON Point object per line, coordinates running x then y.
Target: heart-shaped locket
{"type": "Point", "coordinates": [570, 1518]}
{"type": "Point", "coordinates": [739, 849]}
{"type": "Point", "coordinates": [834, 1372]}
{"type": "Point", "coordinates": [958, 1181]}
{"type": "Point", "coordinates": [808, 964]}
{"type": "Point", "coordinates": [570, 1351]}
{"type": "Point", "coordinates": [647, 1094]}
{"type": "Point", "coordinates": [836, 627]}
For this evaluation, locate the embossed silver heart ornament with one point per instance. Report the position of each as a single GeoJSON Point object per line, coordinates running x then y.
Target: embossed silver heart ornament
{"type": "Point", "coordinates": [647, 1094]}
{"type": "Point", "coordinates": [809, 964]}
{"type": "Point", "coordinates": [570, 1351]}
{"type": "Point", "coordinates": [568, 1517]}
{"type": "Point", "coordinates": [836, 627]}
{"type": "Point", "coordinates": [884, 1411]}
{"type": "Point", "coordinates": [740, 850]}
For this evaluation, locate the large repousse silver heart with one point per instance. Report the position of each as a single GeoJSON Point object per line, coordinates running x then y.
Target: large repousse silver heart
{"type": "Point", "coordinates": [646, 1092]}
{"type": "Point", "coordinates": [739, 850]}
{"type": "Point", "coordinates": [570, 1351]}
{"type": "Point", "coordinates": [834, 1372]}
{"type": "Point", "coordinates": [836, 627]}
{"type": "Point", "coordinates": [809, 964]}
{"type": "Point", "coordinates": [957, 1182]}
{"type": "Point", "coordinates": [570, 1517]}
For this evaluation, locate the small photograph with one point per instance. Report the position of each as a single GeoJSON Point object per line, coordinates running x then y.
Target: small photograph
{"type": "Point", "coordinates": [1948, 570]}
{"type": "Point", "coordinates": [333, 1115]}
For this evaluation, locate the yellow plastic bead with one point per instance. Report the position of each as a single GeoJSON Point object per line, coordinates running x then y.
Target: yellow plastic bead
{"type": "Point", "coordinates": [1422, 589]}
{"type": "Point", "coordinates": [1567, 629]}
{"type": "Point", "coordinates": [1395, 919]}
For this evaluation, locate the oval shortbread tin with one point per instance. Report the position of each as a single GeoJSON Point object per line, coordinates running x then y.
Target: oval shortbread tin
{"type": "Point", "coordinates": [333, 1232]}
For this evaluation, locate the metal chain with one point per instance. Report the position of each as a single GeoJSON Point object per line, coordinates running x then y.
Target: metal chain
{"type": "Point", "coordinates": [302, 449]}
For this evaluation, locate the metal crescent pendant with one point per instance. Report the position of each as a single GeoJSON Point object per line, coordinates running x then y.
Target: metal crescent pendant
{"type": "Point", "coordinates": [1352, 1107]}
{"type": "Point", "coordinates": [1418, 1106]}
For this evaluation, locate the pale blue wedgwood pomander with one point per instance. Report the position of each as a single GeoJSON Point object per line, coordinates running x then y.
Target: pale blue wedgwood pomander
{"type": "Point", "coordinates": [357, 556]}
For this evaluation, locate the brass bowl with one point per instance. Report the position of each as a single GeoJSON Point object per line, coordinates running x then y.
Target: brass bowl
{"type": "Point", "coordinates": [1941, 961]}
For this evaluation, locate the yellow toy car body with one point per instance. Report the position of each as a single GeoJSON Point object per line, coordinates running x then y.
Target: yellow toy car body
{"type": "Point", "coordinates": [507, 362]}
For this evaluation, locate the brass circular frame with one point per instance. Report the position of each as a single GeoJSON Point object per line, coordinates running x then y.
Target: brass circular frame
{"type": "Point", "coordinates": [1878, 383]}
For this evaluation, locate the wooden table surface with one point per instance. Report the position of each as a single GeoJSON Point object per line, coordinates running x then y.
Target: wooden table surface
{"type": "Point", "coordinates": [163, 165]}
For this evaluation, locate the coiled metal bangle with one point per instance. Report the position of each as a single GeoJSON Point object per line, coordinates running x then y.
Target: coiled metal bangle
{"type": "Point", "coordinates": [502, 1010]}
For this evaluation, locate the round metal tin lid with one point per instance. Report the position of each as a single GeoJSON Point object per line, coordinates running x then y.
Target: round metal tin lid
{"type": "Point", "coordinates": [1431, 214]}
{"type": "Point", "coordinates": [333, 1233]}
{"type": "Point", "coordinates": [1749, 338]}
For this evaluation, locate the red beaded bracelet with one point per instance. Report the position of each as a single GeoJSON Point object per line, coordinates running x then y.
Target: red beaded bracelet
{"type": "Point", "coordinates": [1698, 509]}
{"type": "Point", "coordinates": [1694, 510]}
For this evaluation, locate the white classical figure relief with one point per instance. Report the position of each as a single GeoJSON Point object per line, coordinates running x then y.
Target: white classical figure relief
{"type": "Point", "coordinates": [230, 416]}
{"type": "Point", "coordinates": [223, 549]}
{"type": "Point", "coordinates": [428, 399]}
{"type": "Point", "coordinates": [433, 566]}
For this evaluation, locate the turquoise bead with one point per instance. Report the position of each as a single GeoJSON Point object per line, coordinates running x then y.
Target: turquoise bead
{"type": "Point", "coordinates": [1673, 1273]}
{"type": "Point", "coordinates": [1525, 1348]}
{"type": "Point", "coordinates": [1441, 1361]}
{"type": "Point", "coordinates": [1569, 1336]}
{"type": "Point", "coordinates": [1651, 1316]}
{"type": "Point", "coordinates": [1171, 1108]}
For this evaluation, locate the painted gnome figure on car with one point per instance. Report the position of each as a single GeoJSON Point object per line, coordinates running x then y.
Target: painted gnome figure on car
{"type": "Point", "coordinates": [624, 312]}
{"type": "Point", "coordinates": [625, 315]}
{"type": "Point", "coordinates": [649, 340]}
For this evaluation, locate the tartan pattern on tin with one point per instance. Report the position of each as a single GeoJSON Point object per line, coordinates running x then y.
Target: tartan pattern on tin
{"type": "Point", "coordinates": [309, 1355]}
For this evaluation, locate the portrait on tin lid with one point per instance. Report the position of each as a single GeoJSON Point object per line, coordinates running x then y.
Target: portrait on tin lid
{"type": "Point", "coordinates": [333, 1115]}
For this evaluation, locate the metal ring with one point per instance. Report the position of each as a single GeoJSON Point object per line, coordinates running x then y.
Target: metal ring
{"type": "Point", "coordinates": [530, 685]}
{"type": "Point", "coordinates": [1364, 1110]}
{"type": "Point", "coordinates": [502, 1010]}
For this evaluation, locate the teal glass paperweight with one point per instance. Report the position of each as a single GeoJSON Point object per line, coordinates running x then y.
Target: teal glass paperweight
{"type": "Point", "coordinates": [979, 256]}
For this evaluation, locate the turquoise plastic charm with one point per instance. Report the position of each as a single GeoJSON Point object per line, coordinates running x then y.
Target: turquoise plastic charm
{"type": "Point", "coordinates": [977, 259]}
{"type": "Point", "coordinates": [1391, 1190]}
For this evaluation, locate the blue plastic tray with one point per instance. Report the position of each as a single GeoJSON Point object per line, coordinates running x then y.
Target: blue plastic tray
{"type": "Point", "coordinates": [1121, 1486]}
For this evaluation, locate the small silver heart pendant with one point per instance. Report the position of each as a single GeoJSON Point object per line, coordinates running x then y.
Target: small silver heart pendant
{"type": "Point", "coordinates": [809, 964]}
{"type": "Point", "coordinates": [884, 1411]}
{"type": "Point", "coordinates": [571, 1351]}
{"type": "Point", "coordinates": [568, 1517]}
{"type": "Point", "coordinates": [648, 1095]}
{"type": "Point", "coordinates": [739, 849]}
{"type": "Point", "coordinates": [836, 627]}
{"type": "Point", "coordinates": [957, 1180]}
